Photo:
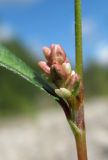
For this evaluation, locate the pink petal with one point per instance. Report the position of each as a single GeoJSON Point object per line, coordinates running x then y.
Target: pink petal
{"type": "Point", "coordinates": [45, 68]}
{"type": "Point", "coordinates": [47, 52]}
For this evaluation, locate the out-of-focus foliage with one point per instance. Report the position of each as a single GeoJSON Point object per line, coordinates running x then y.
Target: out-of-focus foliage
{"type": "Point", "coordinates": [96, 80]}
{"type": "Point", "coordinates": [17, 95]}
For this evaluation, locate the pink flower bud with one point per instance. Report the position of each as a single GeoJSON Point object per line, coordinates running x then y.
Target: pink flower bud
{"type": "Point", "coordinates": [57, 67]}
{"type": "Point", "coordinates": [57, 71]}
{"type": "Point", "coordinates": [73, 73]}
{"type": "Point", "coordinates": [67, 68]}
{"type": "Point", "coordinates": [57, 54]}
{"type": "Point", "coordinates": [45, 68]}
{"type": "Point", "coordinates": [47, 52]}
{"type": "Point", "coordinates": [72, 80]}
{"type": "Point", "coordinates": [74, 77]}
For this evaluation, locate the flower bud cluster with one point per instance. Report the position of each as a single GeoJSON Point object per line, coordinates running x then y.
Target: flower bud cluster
{"type": "Point", "coordinates": [58, 70]}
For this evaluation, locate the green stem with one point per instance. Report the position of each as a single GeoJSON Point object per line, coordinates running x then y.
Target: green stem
{"type": "Point", "coordinates": [78, 38]}
{"type": "Point", "coordinates": [80, 137]}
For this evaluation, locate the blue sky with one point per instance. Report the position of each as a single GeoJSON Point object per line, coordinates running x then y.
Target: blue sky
{"type": "Point", "coordinates": [42, 22]}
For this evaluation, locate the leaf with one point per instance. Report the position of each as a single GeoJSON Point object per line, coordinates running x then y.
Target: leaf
{"type": "Point", "coordinates": [16, 65]}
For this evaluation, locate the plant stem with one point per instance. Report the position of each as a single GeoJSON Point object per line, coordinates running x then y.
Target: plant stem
{"type": "Point", "coordinates": [81, 145]}
{"type": "Point", "coordinates": [80, 137]}
{"type": "Point", "coordinates": [78, 38]}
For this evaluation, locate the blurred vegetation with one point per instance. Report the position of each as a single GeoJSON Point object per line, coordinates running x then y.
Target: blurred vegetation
{"type": "Point", "coordinates": [19, 97]}
{"type": "Point", "coordinates": [96, 80]}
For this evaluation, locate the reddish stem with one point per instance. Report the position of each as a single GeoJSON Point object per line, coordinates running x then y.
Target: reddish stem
{"type": "Point", "coordinates": [81, 146]}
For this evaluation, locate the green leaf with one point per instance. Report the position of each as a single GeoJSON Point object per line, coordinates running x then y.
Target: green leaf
{"type": "Point", "coordinates": [12, 63]}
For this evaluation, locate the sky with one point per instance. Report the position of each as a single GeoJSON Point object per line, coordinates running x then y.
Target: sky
{"type": "Point", "coordinates": [39, 23]}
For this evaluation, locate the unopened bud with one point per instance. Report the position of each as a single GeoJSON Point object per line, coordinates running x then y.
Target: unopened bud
{"type": "Point", "coordinates": [66, 93]}
{"type": "Point", "coordinates": [63, 92]}
{"type": "Point", "coordinates": [74, 78]}
{"type": "Point", "coordinates": [72, 73]}
{"type": "Point", "coordinates": [47, 52]}
{"type": "Point", "coordinates": [57, 71]}
{"type": "Point", "coordinates": [57, 54]}
{"type": "Point", "coordinates": [75, 83]}
{"type": "Point", "coordinates": [58, 92]}
{"type": "Point", "coordinates": [67, 68]}
{"type": "Point", "coordinates": [45, 68]}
